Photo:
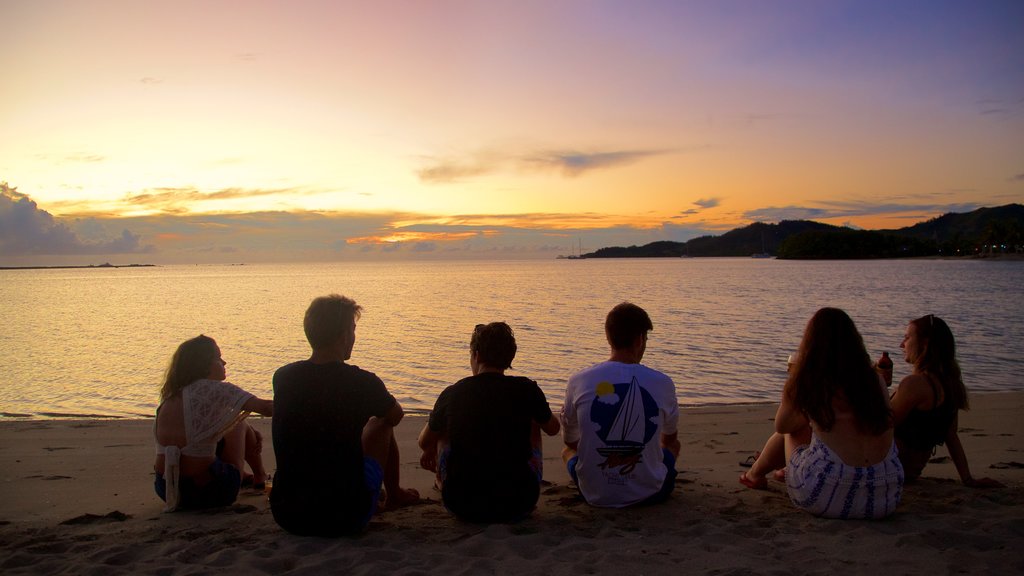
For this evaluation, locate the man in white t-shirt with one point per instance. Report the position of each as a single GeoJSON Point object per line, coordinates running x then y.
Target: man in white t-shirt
{"type": "Point", "coordinates": [619, 420]}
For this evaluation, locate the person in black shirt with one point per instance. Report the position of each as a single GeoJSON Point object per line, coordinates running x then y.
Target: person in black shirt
{"type": "Point", "coordinates": [483, 436]}
{"type": "Point", "coordinates": [333, 431]}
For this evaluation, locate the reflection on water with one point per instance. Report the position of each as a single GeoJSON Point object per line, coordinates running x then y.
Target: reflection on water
{"type": "Point", "coordinates": [97, 341]}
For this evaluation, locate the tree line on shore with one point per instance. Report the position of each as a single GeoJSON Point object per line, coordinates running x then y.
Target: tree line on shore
{"type": "Point", "coordinates": [982, 232]}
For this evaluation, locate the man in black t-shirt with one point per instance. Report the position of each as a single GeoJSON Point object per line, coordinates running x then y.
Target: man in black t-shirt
{"type": "Point", "coordinates": [483, 436]}
{"type": "Point", "coordinates": [333, 432]}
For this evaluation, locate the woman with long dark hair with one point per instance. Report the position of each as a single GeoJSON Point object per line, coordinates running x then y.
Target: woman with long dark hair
{"type": "Point", "coordinates": [836, 426]}
{"type": "Point", "coordinates": [927, 402]}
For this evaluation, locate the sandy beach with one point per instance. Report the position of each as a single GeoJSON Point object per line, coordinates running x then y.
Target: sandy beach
{"type": "Point", "coordinates": [77, 498]}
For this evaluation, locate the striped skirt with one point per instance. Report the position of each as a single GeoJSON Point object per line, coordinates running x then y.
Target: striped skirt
{"type": "Point", "coordinates": [819, 482]}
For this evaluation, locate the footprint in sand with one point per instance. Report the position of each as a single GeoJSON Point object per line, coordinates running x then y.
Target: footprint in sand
{"type": "Point", "coordinates": [1007, 465]}
{"type": "Point", "coordinates": [115, 516]}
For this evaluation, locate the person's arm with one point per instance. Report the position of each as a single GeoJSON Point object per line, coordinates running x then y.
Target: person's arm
{"type": "Point", "coordinates": [552, 426]}
{"type": "Point", "coordinates": [394, 414]}
{"type": "Point", "coordinates": [956, 452]}
{"type": "Point", "coordinates": [912, 392]}
{"type": "Point", "coordinates": [671, 443]}
{"type": "Point", "coordinates": [427, 441]}
{"type": "Point", "coordinates": [789, 418]}
{"type": "Point", "coordinates": [259, 406]}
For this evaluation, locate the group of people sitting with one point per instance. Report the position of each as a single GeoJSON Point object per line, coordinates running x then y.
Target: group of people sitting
{"type": "Point", "coordinates": [842, 445]}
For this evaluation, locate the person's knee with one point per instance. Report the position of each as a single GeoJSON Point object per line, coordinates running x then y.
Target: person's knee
{"type": "Point", "coordinates": [377, 435]}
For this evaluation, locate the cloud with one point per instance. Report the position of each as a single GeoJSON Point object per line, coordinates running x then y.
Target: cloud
{"type": "Point", "coordinates": [569, 163]}
{"type": "Point", "coordinates": [450, 171]}
{"type": "Point", "coordinates": [86, 158]}
{"type": "Point", "coordinates": [1018, 178]}
{"type": "Point", "coordinates": [329, 236]}
{"type": "Point", "coordinates": [27, 230]}
{"type": "Point", "coordinates": [72, 159]}
{"type": "Point", "coordinates": [576, 163]}
{"type": "Point", "coordinates": [182, 200]}
{"type": "Point", "coordinates": [849, 209]}
{"type": "Point", "coordinates": [707, 202]}
{"type": "Point", "coordinates": [150, 81]}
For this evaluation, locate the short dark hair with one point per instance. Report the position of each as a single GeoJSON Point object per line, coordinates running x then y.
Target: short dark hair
{"type": "Point", "coordinates": [328, 318]}
{"type": "Point", "coordinates": [495, 344]}
{"type": "Point", "coordinates": [625, 323]}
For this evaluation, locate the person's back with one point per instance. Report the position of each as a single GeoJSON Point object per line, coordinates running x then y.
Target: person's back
{"type": "Point", "coordinates": [620, 420]}
{"type": "Point", "coordinates": [850, 441]}
{"type": "Point", "coordinates": [489, 421]}
{"type": "Point", "coordinates": [483, 436]}
{"type": "Point", "coordinates": [333, 433]}
{"type": "Point", "coordinates": [320, 412]}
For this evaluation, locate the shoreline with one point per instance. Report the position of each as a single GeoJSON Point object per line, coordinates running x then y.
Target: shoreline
{"type": "Point", "coordinates": [409, 412]}
{"type": "Point", "coordinates": [79, 499]}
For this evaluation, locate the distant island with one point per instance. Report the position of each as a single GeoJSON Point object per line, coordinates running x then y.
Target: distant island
{"type": "Point", "coordinates": [104, 265]}
{"type": "Point", "coordinates": [983, 232]}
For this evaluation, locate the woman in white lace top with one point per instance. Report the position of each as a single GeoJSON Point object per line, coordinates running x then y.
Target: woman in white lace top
{"type": "Point", "coordinates": [197, 410]}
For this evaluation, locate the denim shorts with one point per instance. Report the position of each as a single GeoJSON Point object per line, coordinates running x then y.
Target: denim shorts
{"type": "Point", "coordinates": [221, 490]}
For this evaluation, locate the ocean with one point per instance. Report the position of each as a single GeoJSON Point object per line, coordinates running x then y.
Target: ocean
{"type": "Point", "coordinates": [96, 342]}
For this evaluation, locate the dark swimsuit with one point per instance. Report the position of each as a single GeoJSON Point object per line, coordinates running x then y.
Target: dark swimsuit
{"type": "Point", "coordinates": [923, 430]}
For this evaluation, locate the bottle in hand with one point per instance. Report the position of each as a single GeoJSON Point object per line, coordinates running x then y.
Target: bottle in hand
{"type": "Point", "coordinates": [885, 368]}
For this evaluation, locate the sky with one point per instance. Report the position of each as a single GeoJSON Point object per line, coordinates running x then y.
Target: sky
{"type": "Point", "coordinates": [262, 131]}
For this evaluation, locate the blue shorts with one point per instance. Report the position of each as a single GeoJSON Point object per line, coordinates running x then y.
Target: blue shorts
{"type": "Point", "coordinates": [666, 487]}
{"type": "Point", "coordinates": [374, 477]}
{"type": "Point", "coordinates": [221, 490]}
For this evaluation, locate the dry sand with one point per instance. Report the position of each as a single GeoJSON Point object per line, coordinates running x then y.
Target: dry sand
{"type": "Point", "coordinates": [77, 498]}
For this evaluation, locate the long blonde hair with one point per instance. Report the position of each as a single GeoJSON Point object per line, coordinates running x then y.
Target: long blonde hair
{"type": "Point", "coordinates": [191, 362]}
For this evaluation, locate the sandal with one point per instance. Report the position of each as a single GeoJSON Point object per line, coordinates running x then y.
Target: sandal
{"type": "Point", "coordinates": [750, 460]}
{"type": "Point", "coordinates": [761, 484]}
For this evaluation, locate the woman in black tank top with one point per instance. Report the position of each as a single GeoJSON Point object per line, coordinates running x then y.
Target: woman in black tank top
{"type": "Point", "coordinates": [927, 402]}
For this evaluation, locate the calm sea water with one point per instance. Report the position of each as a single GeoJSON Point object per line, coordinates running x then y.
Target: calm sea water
{"type": "Point", "coordinates": [97, 341]}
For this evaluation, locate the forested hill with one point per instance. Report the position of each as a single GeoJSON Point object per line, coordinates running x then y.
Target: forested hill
{"type": "Point", "coordinates": [985, 230]}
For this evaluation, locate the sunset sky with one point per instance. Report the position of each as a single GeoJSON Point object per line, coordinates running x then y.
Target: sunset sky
{"type": "Point", "coordinates": [277, 131]}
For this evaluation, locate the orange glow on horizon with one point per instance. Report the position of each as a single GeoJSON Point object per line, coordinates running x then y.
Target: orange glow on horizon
{"type": "Point", "coordinates": [400, 237]}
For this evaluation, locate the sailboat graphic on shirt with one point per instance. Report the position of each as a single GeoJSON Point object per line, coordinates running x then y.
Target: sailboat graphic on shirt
{"type": "Point", "coordinates": [628, 430]}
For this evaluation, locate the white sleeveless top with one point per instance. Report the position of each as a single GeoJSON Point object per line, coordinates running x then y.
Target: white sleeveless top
{"type": "Point", "coordinates": [211, 408]}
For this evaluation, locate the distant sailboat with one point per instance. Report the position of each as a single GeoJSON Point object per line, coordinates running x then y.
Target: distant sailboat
{"type": "Point", "coordinates": [763, 253]}
{"type": "Point", "coordinates": [626, 436]}
{"type": "Point", "coordinates": [579, 254]}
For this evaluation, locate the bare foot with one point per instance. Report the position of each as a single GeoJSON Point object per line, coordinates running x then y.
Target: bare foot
{"type": "Point", "coordinates": [400, 499]}
{"type": "Point", "coordinates": [754, 483]}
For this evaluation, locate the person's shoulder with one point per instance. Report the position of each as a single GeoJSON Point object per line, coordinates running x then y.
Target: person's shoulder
{"type": "Point", "coordinates": [652, 373]}
{"type": "Point", "coordinates": [915, 382]}
{"type": "Point", "coordinates": [291, 367]}
{"type": "Point", "coordinates": [597, 367]}
{"type": "Point", "coordinates": [210, 383]}
{"type": "Point", "coordinates": [459, 385]}
{"type": "Point", "coordinates": [357, 374]}
{"type": "Point", "coordinates": [519, 380]}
